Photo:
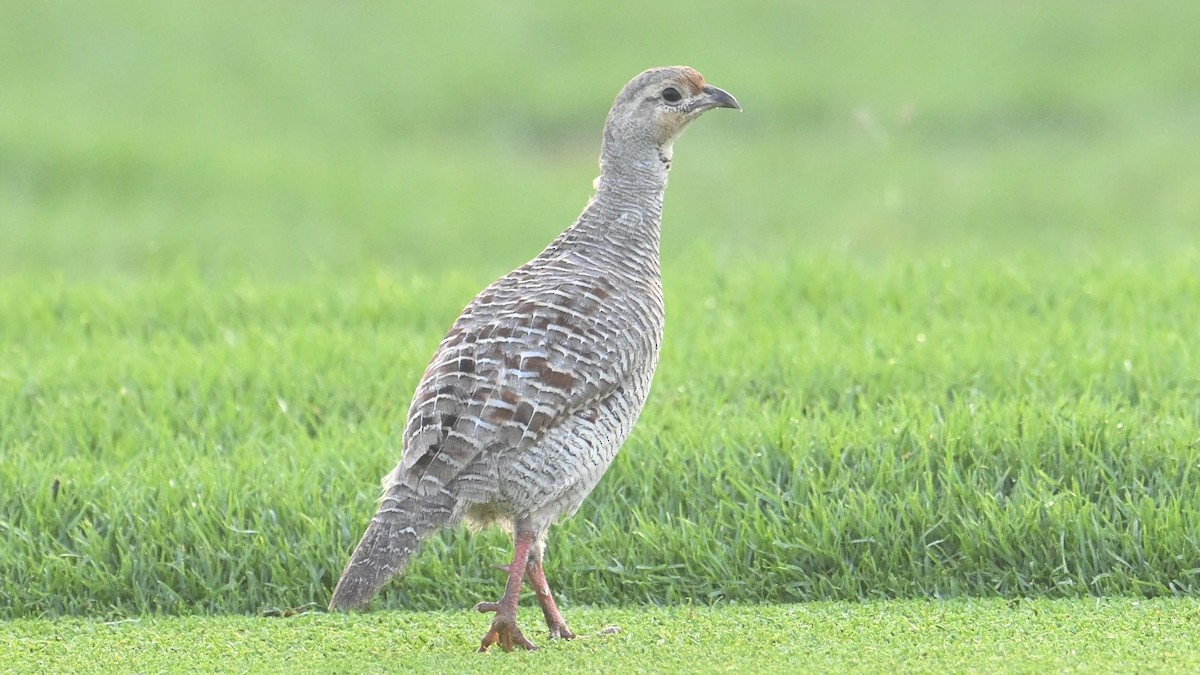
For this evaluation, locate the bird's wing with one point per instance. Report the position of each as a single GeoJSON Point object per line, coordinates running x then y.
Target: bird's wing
{"type": "Point", "coordinates": [518, 361]}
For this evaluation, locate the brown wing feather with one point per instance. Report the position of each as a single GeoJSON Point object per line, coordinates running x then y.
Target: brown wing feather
{"type": "Point", "coordinates": [511, 367]}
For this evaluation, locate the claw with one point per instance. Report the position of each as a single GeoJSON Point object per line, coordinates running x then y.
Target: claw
{"type": "Point", "coordinates": [504, 631]}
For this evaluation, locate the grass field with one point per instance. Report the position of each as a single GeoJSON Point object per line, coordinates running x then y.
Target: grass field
{"type": "Point", "coordinates": [1078, 636]}
{"type": "Point", "coordinates": [933, 301]}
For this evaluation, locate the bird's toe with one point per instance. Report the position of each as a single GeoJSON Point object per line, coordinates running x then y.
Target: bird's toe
{"type": "Point", "coordinates": [561, 632]}
{"type": "Point", "coordinates": [507, 634]}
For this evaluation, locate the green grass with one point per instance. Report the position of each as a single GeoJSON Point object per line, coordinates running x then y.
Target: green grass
{"type": "Point", "coordinates": [911, 636]}
{"type": "Point", "coordinates": [904, 430]}
{"type": "Point", "coordinates": [932, 298]}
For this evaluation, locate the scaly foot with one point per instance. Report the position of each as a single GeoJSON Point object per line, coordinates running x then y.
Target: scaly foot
{"type": "Point", "coordinates": [504, 630]}
{"type": "Point", "coordinates": [560, 630]}
{"type": "Point", "coordinates": [554, 620]}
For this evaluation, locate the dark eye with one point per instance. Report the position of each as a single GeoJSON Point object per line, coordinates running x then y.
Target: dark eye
{"type": "Point", "coordinates": [671, 95]}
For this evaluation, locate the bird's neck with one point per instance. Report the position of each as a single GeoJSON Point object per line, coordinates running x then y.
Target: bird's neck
{"type": "Point", "coordinates": [634, 172]}
{"type": "Point", "coordinates": [627, 207]}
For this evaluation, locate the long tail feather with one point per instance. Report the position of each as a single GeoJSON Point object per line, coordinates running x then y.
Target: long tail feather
{"type": "Point", "coordinates": [382, 553]}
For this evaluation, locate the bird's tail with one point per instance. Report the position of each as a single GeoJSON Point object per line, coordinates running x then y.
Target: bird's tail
{"type": "Point", "coordinates": [382, 553]}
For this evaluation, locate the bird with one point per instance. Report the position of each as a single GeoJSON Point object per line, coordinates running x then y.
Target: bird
{"type": "Point", "coordinates": [540, 380]}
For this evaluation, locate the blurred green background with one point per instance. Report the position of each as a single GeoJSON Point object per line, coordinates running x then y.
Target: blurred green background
{"type": "Point", "coordinates": [272, 138]}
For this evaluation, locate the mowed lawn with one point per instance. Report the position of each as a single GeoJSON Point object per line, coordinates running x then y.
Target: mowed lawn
{"type": "Point", "coordinates": [1086, 635]}
{"type": "Point", "coordinates": [933, 302]}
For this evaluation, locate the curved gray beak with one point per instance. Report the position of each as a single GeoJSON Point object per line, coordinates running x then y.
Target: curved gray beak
{"type": "Point", "coordinates": [718, 98]}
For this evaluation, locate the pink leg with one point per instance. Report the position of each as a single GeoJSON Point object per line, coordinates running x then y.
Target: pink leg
{"type": "Point", "coordinates": [537, 579]}
{"type": "Point", "coordinates": [504, 628]}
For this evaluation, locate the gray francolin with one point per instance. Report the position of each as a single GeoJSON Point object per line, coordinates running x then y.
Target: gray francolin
{"type": "Point", "coordinates": [540, 380]}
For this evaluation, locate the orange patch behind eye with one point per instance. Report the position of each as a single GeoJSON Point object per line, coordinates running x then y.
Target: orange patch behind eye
{"type": "Point", "coordinates": [694, 80]}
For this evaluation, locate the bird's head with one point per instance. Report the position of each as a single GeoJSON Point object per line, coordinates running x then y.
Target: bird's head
{"type": "Point", "coordinates": [655, 107]}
